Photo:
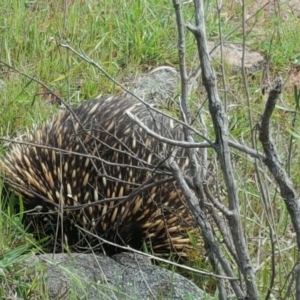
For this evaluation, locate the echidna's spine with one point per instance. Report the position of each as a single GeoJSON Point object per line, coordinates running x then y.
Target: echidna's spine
{"type": "Point", "coordinates": [102, 172]}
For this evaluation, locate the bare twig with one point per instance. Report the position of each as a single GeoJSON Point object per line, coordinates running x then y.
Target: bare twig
{"type": "Point", "coordinates": [163, 139]}
{"type": "Point", "coordinates": [207, 232]}
{"type": "Point", "coordinates": [35, 80]}
{"type": "Point", "coordinates": [126, 248]}
{"type": "Point", "coordinates": [222, 148]}
{"type": "Point", "coordinates": [251, 152]}
{"type": "Point", "coordinates": [87, 155]}
{"type": "Point", "coordinates": [288, 193]}
{"type": "Point", "coordinates": [194, 164]}
{"type": "Point", "coordinates": [243, 148]}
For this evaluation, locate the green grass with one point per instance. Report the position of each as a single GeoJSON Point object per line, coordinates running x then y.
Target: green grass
{"type": "Point", "coordinates": [127, 38]}
{"type": "Point", "coordinates": [121, 35]}
{"type": "Point", "coordinates": [16, 276]}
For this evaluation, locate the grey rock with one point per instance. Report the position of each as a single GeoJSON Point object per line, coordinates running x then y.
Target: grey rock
{"type": "Point", "coordinates": [233, 56]}
{"type": "Point", "coordinates": [125, 276]}
{"type": "Point", "coordinates": [159, 85]}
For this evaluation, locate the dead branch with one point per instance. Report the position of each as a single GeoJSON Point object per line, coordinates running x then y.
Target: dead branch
{"type": "Point", "coordinates": [272, 161]}
{"type": "Point", "coordinates": [207, 231]}
{"type": "Point", "coordinates": [220, 124]}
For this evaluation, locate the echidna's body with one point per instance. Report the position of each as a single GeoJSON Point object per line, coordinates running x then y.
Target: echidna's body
{"type": "Point", "coordinates": [103, 173]}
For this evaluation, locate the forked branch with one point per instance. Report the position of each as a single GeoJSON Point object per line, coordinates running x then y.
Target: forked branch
{"type": "Point", "coordinates": [288, 193]}
{"type": "Point", "coordinates": [220, 124]}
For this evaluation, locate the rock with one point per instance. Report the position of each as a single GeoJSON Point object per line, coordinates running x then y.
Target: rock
{"type": "Point", "coordinates": [233, 56]}
{"type": "Point", "coordinates": [125, 276]}
{"type": "Point", "coordinates": [159, 85]}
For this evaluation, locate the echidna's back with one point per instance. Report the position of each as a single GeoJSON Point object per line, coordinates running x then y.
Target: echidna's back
{"type": "Point", "coordinates": [104, 174]}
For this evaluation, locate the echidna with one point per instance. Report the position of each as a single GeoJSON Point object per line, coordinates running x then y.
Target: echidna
{"type": "Point", "coordinates": [93, 167]}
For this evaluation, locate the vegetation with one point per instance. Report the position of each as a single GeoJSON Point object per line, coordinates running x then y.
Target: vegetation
{"type": "Point", "coordinates": [128, 38]}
